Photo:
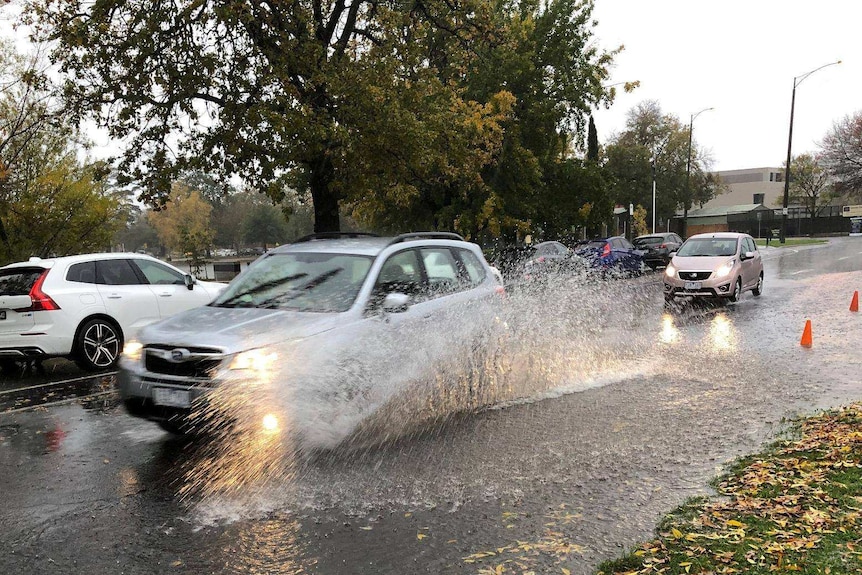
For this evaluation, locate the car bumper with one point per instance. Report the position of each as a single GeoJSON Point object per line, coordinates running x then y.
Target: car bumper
{"type": "Point", "coordinates": [136, 389]}
{"type": "Point", "coordinates": [16, 346]}
{"type": "Point", "coordinates": [709, 288]}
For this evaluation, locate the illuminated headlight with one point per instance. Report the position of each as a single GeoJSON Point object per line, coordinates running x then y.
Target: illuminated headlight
{"type": "Point", "coordinates": [132, 350]}
{"type": "Point", "coordinates": [670, 271]}
{"type": "Point", "coordinates": [725, 269]}
{"type": "Point", "coordinates": [254, 359]}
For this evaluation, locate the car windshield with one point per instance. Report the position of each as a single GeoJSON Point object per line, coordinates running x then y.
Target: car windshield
{"type": "Point", "coordinates": [650, 241]}
{"type": "Point", "coordinates": [708, 247]}
{"type": "Point", "coordinates": [313, 282]}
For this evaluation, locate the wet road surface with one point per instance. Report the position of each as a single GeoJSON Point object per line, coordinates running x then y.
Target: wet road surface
{"type": "Point", "coordinates": [562, 478]}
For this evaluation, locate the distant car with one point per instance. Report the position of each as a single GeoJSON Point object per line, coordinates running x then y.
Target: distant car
{"type": "Point", "coordinates": [614, 255]}
{"type": "Point", "coordinates": [85, 306]}
{"type": "Point", "coordinates": [714, 266]}
{"type": "Point", "coordinates": [657, 248]}
{"type": "Point", "coordinates": [322, 305]}
{"type": "Point", "coordinates": [544, 259]}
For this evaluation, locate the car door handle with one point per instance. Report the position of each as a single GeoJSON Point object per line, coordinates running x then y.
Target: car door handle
{"type": "Point", "coordinates": [115, 296]}
{"type": "Point", "coordinates": [165, 294]}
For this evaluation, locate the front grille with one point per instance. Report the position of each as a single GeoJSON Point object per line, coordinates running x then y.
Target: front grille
{"type": "Point", "coordinates": [195, 362]}
{"type": "Point", "coordinates": [694, 276]}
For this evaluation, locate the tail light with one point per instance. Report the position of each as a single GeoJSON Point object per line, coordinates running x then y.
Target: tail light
{"type": "Point", "coordinates": [541, 259]}
{"type": "Point", "coordinates": [663, 246]}
{"type": "Point", "coordinates": [40, 300]}
{"type": "Point", "coordinates": [606, 251]}
{"type": "Point", "coordinates": [501, 291]}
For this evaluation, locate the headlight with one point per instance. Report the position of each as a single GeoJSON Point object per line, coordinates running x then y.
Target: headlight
{"type": "Point", "coordinates": [254, 359]}
{"type": "Point", "coordinates": [725, 269]}
{"type": "Point", "coordinates": [670, 270]}
{"type": "Point", "coordinates": [132, 350]}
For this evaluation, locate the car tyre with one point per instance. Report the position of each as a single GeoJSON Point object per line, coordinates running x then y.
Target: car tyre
{"type": "Point", "coordinates": [758, 289]}
{"type": "Point", "coordinates": [737, 291]}
{"type": "Point", "coordinates": [9, 366]}
{"type": "Point", "coordinates": [98, 344]}
{"type": "Point", "coordinates": [176, 425]}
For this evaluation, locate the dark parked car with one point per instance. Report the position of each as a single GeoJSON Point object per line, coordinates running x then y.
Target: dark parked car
{"type": "Point", "coordinates": [657, 248]}
{"type": "Point", "coordinates": [614, 255]}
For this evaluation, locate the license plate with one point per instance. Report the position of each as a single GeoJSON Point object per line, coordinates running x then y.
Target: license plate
{"type": "Point", "coordinates": [692, 285]}
{"type": "Point", "coordinates": [3, 314]}
{"type": "Point", "coordinates": [170, 397]}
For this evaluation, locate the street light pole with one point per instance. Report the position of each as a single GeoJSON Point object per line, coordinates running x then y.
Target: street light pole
{"type": "Point", "coordinates": [786, 201]}
{"type": "Point", "coordinates": [687, 197]}
{"type": "Point", "coordinates": [653, 195]}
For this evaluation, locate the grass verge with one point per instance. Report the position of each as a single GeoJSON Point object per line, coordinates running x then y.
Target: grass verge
{"type": "Point", "coordinates": [795, 508]}
{"type": "Point", "coordinates": [790, 242]}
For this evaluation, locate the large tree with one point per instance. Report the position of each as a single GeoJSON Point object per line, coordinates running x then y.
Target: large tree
{"type": "Point", "coordinates": [51, 202]}
{"type": "Point", "coordinates": [654, 138]}
{"type": "Point", "coordinates": [183, 225]}
{"type": "Point", "coordinates": [810, 185]}
{"type": "Point", "coordinates": [331, 96]}
{"type": "Point", "coordinates": [842, 155]}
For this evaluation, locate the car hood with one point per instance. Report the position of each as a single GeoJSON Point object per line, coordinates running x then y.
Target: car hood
{"type": "Point", "coordinates": [236, 329]}
{"type": "Point", "coordinates": [702, 263]}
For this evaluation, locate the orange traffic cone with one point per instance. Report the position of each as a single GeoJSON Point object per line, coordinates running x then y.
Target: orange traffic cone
{"type": "Point", "coordinates": [806, 334]}
{"type": "Point", "coordinates": [854, 304]}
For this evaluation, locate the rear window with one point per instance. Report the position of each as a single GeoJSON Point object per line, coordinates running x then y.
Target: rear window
{"type": "Point", "coordinates": [18, 281]}
{"type": "Point", "coordinates": [649, 241]}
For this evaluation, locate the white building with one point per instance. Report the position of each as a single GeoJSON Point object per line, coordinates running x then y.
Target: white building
{"type": "Point", "coordinates": [750, 186]}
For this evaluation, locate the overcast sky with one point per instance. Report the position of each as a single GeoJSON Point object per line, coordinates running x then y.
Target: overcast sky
{"type": "Point", "coordinates": [740, 57]}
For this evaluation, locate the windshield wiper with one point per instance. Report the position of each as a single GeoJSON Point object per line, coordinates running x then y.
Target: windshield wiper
{"type": "Point", "coordinates": [256, 289]}
{"type": "Point", "coordinates": [296, 292]}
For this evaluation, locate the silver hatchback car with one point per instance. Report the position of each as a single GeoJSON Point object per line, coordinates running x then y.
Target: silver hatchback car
{"type": "Point", "coordinates": [717, 266]}
{"type": "Point", "coordinates": [330, 308]}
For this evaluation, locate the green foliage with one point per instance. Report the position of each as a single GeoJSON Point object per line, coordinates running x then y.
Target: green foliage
{"type": "Point", "coordinates": [50, 203]}
{"type": "Point", "coordinates": [810, 185]}
{"type": "Point", "coordinates": [412, 115]}
{"type": "Point", "coordinates": [264, 225]}
{"type": "Point", "coordinates": [184, 224]}
{"type": "Point", "coordinates": [651, 136]}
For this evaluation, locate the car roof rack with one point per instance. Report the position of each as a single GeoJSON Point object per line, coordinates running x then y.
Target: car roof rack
{"type": "Point", "coordinates": [425, 236]}
{"type": "Point", "coordinates": [334, 236]}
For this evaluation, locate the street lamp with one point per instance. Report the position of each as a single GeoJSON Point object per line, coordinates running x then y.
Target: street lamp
{"type": "Point", "coordinates": [796, 81]}
{"type": "Point", "coordinates": [688, 174]}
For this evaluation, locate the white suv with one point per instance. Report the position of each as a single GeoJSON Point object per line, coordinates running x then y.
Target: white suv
{"type": "Point", "coordinates": [85, 306]}
{"type": "Point", "coordinates": [345, 311]}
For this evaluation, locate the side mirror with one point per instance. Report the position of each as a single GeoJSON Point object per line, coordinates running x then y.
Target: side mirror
{"type": "Point", "coordinates": [396, 302]}
{"type": "Point", "coordinates": [190, 281]}
{"type": "Point", "coordinates": [671, 254]}
{"type": "Point", "coordinates": [748, 256]}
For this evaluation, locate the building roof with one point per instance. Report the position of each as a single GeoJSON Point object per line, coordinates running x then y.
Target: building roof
{"type": "Point", "coordinates": [725, 210]}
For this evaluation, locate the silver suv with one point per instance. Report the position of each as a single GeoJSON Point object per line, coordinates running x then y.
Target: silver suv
{"type": "Point", "coordinates": [313, 313]}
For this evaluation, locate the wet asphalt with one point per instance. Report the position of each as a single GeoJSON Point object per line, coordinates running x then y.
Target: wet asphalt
{"type": "Point", "coordinates": [563, 477]}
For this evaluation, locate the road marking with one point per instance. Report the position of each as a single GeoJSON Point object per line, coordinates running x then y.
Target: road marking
{"type": "Point", "coordinates": [60, 382]}
{"type": "Point", "coordinates": [53, 403]}
{"type": "Point", "coordinates": [801, 272]}
{"type": "Point", "coordinates": [844, 258]}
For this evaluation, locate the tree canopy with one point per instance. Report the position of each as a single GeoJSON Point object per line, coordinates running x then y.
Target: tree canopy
{"type": "Point", "coordinates": [810, 184]}
{"type": "Point", "coordinates": [842, 155]}
{"type": "Point", "coordinates": [654, 138]}
{"type": "Point", "coordinates": [443, 111]}
{"type": "Point", "coordinates": [51, 203]}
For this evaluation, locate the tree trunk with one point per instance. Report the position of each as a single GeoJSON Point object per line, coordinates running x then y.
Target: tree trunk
{"type": "Point", "coordinates": [325, 200]}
